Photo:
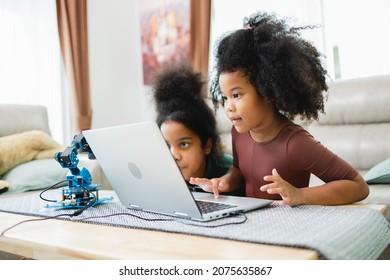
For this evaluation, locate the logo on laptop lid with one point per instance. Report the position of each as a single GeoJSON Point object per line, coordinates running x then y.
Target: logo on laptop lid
{"type": "Point", "coordinates": [134, 170]}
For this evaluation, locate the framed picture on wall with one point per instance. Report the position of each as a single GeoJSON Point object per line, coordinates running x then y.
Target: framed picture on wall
{"type": "Point", "coordinates": [165, 34]}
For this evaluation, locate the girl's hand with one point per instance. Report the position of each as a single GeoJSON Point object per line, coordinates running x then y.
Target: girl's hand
{"type": "Point", "coordinates": [209, 185]}
{"type": "Point", "coordinates": [290, 195]}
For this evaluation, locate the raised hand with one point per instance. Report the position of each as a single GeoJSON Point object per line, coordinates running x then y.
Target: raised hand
{"type": "Point", "coordinates": [290, 195]}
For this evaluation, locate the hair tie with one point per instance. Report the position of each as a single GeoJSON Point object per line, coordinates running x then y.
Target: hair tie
{"type": "Point", "coordinates": [252, 22]}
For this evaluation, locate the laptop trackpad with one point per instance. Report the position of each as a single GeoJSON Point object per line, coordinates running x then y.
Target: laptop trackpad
{"type": "Point", "coordinates": [210, 197]}
{"type": "Point", "coordinates": [241, 202]}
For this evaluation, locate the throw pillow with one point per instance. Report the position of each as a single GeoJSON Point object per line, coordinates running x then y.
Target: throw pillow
{"type": "Point", "coordinates": [379, 174]}
{"type": "Point", "coordinates": [35, 175]}
{"type": "Point", "coordinates": [3, 186]}
{"type": "Point", "coordinates": [22, 147]}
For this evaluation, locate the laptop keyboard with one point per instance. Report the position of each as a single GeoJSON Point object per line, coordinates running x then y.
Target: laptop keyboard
{"type": "Point", "coordinates": [208, 207]}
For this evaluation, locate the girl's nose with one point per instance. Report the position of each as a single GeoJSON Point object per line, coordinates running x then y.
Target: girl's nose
{"type": "Point", "coordinates": [175, 153]}
{"type": "Point", "coordinates": [228, 106]}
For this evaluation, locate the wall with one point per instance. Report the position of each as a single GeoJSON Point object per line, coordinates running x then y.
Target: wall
{"type": "Point", "coordinates": [229, 14]}
{"type": "Point", "coordinates": [117, 91]}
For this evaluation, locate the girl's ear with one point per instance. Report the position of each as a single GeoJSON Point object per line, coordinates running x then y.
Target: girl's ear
{"type": "Point", "coordinates": [207, 148]}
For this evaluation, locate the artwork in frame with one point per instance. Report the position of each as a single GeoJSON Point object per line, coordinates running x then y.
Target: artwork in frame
{"type": "Point", "coordinates": [165, 34]}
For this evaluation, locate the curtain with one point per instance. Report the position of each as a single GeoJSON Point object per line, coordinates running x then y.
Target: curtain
{"type": "Point", "coordinates": [72, 29]}
{"type": "Point", "coordinates": [200, 35]}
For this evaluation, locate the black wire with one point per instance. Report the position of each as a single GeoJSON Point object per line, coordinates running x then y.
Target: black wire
{"type": "Point", "coordinates": [92, 202]}
{"type": "Point", "coordinates": [33, 220]}
{"type": "Point", "coordinates": [170, 219]}
{"type": "Point", "coordinates": [74, 214]}
{"type": "Point", "coordinates": [48, 188]}
{"type": "Point", "coordinates": [78, 212]}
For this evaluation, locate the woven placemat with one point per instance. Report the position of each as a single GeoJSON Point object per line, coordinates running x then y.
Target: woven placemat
{"type": "Point", "coordinates": [334, 232]}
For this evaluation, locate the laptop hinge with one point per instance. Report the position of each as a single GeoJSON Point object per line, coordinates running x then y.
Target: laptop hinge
{"type": "Point", "coordinates": [134, 207]}
{"type": "Point", "coordinates": [182, 215]}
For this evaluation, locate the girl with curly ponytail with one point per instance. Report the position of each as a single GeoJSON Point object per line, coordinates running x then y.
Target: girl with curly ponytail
{"type": "Point", "coordinates": [265, 76]}
{"type": "Point", "coordinates": [188, 123]}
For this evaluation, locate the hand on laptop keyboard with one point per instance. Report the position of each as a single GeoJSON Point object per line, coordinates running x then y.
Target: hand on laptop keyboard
{"type": "Point", "coordinates": [209, 185]}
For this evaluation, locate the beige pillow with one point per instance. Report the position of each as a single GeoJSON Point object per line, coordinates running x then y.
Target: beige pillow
{"type": "Point", "coordinates": [22, 147]}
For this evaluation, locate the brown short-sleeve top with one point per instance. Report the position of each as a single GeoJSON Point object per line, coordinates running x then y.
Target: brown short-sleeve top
{"type": "Point", "coordinates": [293, 152]}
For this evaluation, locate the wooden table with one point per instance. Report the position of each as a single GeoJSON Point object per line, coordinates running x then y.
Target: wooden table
{"type": "Point", "coordinates": [59, 239]}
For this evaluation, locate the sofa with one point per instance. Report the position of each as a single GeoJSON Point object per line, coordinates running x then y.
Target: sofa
{"type": "Point", "coordinates": [356, 126]}
{"type": "Point", "coordinates": [37, 168]}
{"type": "Point", "coordinates": [27, 151]}
{"type": "Point", "coordinates": [24, 136]}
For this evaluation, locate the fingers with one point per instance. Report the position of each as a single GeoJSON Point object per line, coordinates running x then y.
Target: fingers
{"type": "Point", "coordinates": [215, 191]}
{"type": "Point", "coordinates": [289, 194]}
{"type": "Point", "coordinates": [201, 182]}
{"type": "Point", "coordinates": [215, 185]}
{"type": "Point", "coordinates": [207, 185]}
{"type": "Point", "coordinates": [270, 178]}
{"type": "Point", "coordinates": [274, 177]}
{"type": "Point", "coordinates": [277, 185]}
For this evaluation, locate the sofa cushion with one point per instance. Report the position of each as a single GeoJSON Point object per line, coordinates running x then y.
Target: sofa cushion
{"type": "Point", "coordinates": [362, 145]}
{"type": "Point", "coordinates": [356, 125]}
{"type": "Point", "coordinates": [18, 118]}
{"type": "Point", "coordinates": [379, 174]}
{"type": "Point", "coordinates": [34, 175]}
{"type": "Point", "coordinates": [358, 101]}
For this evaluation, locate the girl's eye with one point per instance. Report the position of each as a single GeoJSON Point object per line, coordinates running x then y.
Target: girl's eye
{"type": "Point", "coordinates": [236, 95]}
{"type": "Point", "coordinates": [184, 145]}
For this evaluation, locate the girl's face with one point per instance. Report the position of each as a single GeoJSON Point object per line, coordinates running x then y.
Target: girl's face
{"type": "Point", "coordinates": [186, 148]}
{"type": "Point", "coordinates": [246, 109]}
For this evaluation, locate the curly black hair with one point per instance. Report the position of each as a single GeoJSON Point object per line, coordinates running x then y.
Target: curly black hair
{"type": "Point", "coordinates": [285, 69]}
{"type": "Point", "coordinates": [180, 96]}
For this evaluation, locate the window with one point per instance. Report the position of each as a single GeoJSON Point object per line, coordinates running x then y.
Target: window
{"type": "Point", "coordinates": [352, 35]}
{"type": "Point", "coordinates": [357, 38]}
{"type": "Point", "coordinates": [30, 68]}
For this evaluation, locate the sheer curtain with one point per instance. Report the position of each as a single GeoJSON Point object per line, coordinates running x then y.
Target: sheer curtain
{"type": "Point", "coordinates": [30, 58]}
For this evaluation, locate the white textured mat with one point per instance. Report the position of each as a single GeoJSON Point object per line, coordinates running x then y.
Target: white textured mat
{"type": "Point", "coordinates": [334, 232]}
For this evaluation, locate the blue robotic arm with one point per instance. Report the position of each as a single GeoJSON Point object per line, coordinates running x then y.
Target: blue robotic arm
{"type": "Point", "coordinates": [80, 192]}
{"type": "Point", "coordinates": [77, 178]}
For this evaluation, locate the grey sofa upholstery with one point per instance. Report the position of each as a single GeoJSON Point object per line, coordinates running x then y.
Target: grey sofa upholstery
{"type": "Point", "coordinates": [35, 174]}
{"type": "Point", "coordinates": [20, 118]}
{"type": "Point", "coordinates": [356, 126]}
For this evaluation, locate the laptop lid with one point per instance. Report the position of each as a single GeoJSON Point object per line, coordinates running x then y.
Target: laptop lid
{"type": "Point", "coordinates": [136, 160]}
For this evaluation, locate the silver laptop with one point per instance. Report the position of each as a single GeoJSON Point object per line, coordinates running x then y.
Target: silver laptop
{"type": "Point", "coordinates": [143, 173]}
